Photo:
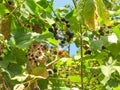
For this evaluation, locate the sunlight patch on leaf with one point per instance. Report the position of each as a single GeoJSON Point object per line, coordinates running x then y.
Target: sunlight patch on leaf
{"type": "Point", "coordinates": [112, 38]}
{"type": "Point", "coordinates": [117, 68]}
{"type": "Point", "coordinates": [20, 78]}
{"type": "Point", "coordinates": [116, 30]}
{"type": "Point", "coordinates": [74, 78]}
{"type": "Point", "coordinates": [104, 81]}
{"type": "Point", "coordinates": [53, 41]}
{"type": "Point", "coordinates": [19, 87]}
{"type": "Point", "coordinates": [107, 70]}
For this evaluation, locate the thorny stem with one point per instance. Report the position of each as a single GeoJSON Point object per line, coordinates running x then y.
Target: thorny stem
{"type": "Point", "coordinates": [81, 51]}
{"type": "Point", "coordinates": [82, 61]}
{"type": "Point", "coordinates": [51, 63]}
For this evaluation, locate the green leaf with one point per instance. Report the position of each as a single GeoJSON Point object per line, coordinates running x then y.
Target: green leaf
{"type": "Point", "coordinates": [74, 24]}
{"type": "Point", "coordinates": [61, 88]}
{"type": "Point", "coordinates": [114, 49]}
{"type": "Point", "coordinates": [117, 68]}
{"type": "Point", "coordinates": [113, 82]}
{"type": "Point", "coordinates": [53, 41]}
{"type": "Point", "coordinates": [40, 71]}
{"type": "Point", "coordinates": [74, 78]}
{"type": "Point", "coordinates": [96, 45]}
{"type": "Point", "coordinates": [116, 30]}
{"type": "Point", "coordinates": [30, 5]}
{"type": "Point", "coordinates": [9, 58]}
{"type": "Point", "coordinates": [23, 38]}
{"type": "Point", "coordinates": [3, 9]}
{"type": "Point", "coordinates": [19, 55]}
{"type": "Point", "coordinates": [117, 88]}
{"type": "Point", "coordinates": [43, 83]}
{"type": "Point", "coordinates": [105, 80]}
{"type": "Point", "coordinates": [41, 37]}
{"type": "Point", "coordinates": [86, 11]}
{"type": "Point", "coordinates": [68, 61]}
{"type": "Point", "coordinates": [15, 69]}
{"type": "Point", "coordinates": [107, 70]}
{"type": "Point", "coordinates": [80, 10]}
{"type": "Point", "coordinates": [43, 3]}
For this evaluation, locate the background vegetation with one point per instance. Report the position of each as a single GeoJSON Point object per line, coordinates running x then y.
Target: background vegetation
{"type": "Point", "coordinates": [32, 40]}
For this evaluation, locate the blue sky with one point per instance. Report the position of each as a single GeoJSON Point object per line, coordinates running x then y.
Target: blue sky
{"type": "Point", "coordinates": [61, 3]}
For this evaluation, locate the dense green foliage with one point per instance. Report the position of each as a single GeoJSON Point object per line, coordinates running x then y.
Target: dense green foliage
{"type": "Point", "coordinates": [32, 35]}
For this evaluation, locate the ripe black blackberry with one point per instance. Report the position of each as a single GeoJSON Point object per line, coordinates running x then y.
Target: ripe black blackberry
{"type": "Point", "coordinates": [55, 52]}
{"type": "Point", "coordinates": [88, 52]}
{"type": "Point", "coordinates": [55, 28]}
{"type": "Point", "coordinates": [102, 33]}
{"type": "Point", "coordinates": [66, 21]}
{"type": "Point", "coordinates": [63, 19]}
{"type": "Point", "coordinates": [71, 35]}
{"type": "Point", "coordinates": [56, 37]}
{"type": "Point", "coordinates": [68, 25]}
{"type": "Point", "coordinates": [54, 70]}
{"type": "Point", "coordinates": [10, 2]}
{"type": "Point", "coordinates": [50, 29]}
{"type": "Point", "coordinates": [68, 32]}
{"type": "Point", "coordinates": [50, 71]}
{"type": "Point", "coordinates": [62, 42]}
{"type": "Point", "coordinates": [54, 24]}
{"type": "Point", "coordinates": [103, 47]}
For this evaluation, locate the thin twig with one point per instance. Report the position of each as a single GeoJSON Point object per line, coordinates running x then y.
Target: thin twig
{"type": "Point", "coordinates": [51, 63]}
{"type": "Point", "coordinates": [69, 49]}
{"type": "Point", "coordinates": [74, 2]}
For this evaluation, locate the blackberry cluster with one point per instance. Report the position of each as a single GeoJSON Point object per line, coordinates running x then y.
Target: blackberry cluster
{"type": "Point", "coordinates": [62, 35]}
{"type": "Point", "coordinates": [36, 55]}
{"type": "Point", "coordinates": [66, 22]}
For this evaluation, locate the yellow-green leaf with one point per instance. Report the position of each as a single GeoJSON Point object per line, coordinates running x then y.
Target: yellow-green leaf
{"type": "Point", "coordinates": [102, 12]}
{"type": "Point", "coordinates": [88, 13]}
